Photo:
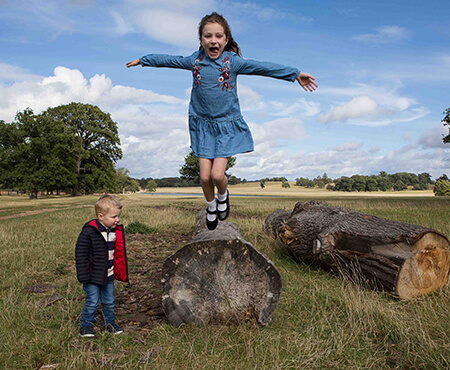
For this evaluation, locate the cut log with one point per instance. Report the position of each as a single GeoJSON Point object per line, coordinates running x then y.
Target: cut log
{"type": "Point", "coordinates": [404, 259]}
{"type": "Point", "coordinates": [219, 278]}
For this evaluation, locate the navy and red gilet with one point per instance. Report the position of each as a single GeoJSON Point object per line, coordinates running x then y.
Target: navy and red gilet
{"type": "Point", "coordinates": [91, 255]}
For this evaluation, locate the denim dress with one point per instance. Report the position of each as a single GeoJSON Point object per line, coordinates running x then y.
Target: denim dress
{"type": "Point", "coordinates": [216, 126]}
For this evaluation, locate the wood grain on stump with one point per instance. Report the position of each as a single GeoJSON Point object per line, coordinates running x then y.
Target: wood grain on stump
{"type": "Point", "coordinates": [219, 278]}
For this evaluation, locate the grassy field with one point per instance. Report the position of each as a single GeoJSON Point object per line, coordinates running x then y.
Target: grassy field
{"type": "Point", "coordinates": [321, 321]}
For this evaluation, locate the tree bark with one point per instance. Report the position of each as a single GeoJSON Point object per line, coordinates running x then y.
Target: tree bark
{"type": "Point", "coordinates": [219, 278]}
{"type": "Point", "coordinates": [404, 259]}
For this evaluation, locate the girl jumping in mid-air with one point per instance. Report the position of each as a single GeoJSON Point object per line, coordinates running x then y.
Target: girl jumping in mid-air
{"type": "Point", "coordinates": [216, 126]}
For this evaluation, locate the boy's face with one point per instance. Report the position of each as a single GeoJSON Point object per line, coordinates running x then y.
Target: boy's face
{"type": "Point", "coordinates": [111, 218]}
{"type": "Point", "coordinates": [213, 40]}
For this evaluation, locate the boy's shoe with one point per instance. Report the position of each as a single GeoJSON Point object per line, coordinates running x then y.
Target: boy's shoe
{"type": "Point", "coordinates": [113, 328]}
{"type": "Point", "coordinates": [211, 225]}
{"type": "Point", "coordinates": [86, 332]}
{"type": "Point", "coordinates": [223, 215]}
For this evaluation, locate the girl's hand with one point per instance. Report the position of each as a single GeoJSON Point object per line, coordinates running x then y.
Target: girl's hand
{"type": "Point", "coordinates": [133, 63]}
{"type": "Point", "coordinates": [306, 81]}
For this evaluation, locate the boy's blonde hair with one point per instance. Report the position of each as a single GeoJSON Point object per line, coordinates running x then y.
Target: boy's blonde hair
{"type": "Point", "coordinates": [107, 202]}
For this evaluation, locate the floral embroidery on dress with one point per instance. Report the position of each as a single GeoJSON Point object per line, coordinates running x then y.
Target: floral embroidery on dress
{"type": "Point", "coordinates": [196, 71]}
{"type": "Point", "coordinates": [224, 79]}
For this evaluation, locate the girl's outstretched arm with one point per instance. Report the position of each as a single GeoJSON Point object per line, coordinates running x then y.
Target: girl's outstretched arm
{"type": "Point", "coordinates": [133, 63]}
{"type": "Point", "coordinates": [306, 81]}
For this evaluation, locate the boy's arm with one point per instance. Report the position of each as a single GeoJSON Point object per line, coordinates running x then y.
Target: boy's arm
{"type": "Point", "coordinates": [82, 250]}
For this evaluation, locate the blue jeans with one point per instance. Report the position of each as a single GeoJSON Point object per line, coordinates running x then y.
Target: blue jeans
{"type": "Point", "coordinates": [94, 295]}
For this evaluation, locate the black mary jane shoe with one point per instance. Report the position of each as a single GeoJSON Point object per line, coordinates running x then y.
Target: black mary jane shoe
{"type": "Point", "coordinates": [211, 225]}
{"type": "Point", "coordinates": [223, 215]}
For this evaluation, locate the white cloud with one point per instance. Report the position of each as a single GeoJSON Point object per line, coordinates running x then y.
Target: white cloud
{"type": "Point", "coordinates": [361, 106]}
{"type": "Point", "coordinates": [384, 34]}
{"type": "Point", "coordinates": [272, 132]}
{"type": "Point", "coordinates": [372, 106]}
{"type": "Point", "coordinates": [122, 26]}
{"type": "Point", "coordinates": [433, 138]}
{"type": "Point", "coordinates": [172, 22]}
{"type": "Point", "coordinates": [10, 73]}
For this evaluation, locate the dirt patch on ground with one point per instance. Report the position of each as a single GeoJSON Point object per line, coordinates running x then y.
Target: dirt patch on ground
{"type": "Point", "coordinates": [138, 305]}
{"type": "Point", "coordinates": [35, 212]}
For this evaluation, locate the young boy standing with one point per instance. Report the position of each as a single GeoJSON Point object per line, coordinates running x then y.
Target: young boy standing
{"type": "Point", "coordinates": [100, 258]}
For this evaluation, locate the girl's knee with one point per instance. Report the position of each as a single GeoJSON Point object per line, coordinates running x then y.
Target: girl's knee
{"type": "Point", "coordinates": [205, 178]}
{"type": "Point", "coordinates": [217, 176]}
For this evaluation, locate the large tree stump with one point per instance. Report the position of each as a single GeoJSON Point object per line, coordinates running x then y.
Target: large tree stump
{"type": "Point", "coordinates": [405, 260]}
{"type": "Point", "coordinates": [219, 278]}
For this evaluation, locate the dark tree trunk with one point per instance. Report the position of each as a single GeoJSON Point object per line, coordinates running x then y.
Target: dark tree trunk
{"type": "Point", "coordinates": [405, 260]}
{"type": "Point", "coordinates": [219, 278]}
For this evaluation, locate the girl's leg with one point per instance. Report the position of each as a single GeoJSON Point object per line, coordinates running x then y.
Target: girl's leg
{"type": "Point", "coordinates": [206, 179]}
{"type": "Point", "coordinates": [219, 179]}
{"type": "Point", "coordinates": [208, 189]}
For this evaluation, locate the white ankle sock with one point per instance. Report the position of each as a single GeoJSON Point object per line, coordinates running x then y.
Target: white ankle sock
{"type": "Point", "coordinates": [212, 206]}
{"type": "Point", "coordinates": [222, 207]}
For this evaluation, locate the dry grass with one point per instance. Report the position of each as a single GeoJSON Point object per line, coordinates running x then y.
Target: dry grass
{"type": "Point", "coordinates": [321, 321]}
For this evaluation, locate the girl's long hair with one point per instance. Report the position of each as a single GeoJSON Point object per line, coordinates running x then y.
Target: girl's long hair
{"type": "Point", "coordinates": [217, 18]}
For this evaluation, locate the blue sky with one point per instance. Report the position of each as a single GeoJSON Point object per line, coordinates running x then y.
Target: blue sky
{"type": "Point", "coordinates": [383, 70]}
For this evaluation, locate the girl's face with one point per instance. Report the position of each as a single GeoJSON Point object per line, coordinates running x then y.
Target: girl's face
{"type": "Point", "coordinates": [213, 40]}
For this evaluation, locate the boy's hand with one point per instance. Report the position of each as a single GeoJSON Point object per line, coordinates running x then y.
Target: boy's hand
{"type": "Point", "coordinates": [306, 81]}
{"type": "Point", "coordinates": [133, 63]}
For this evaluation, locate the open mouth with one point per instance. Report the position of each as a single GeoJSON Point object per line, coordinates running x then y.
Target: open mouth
{"type": "Point", "coordinates": [213, 50]}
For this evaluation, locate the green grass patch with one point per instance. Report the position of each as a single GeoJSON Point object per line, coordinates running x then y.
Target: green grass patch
{"type": "Point", "coordinates": [137, 227]}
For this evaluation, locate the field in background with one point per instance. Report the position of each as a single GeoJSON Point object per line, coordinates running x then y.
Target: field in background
{"type": "Point", "coordinates": [321, 321]}
{"type": "Point", "coordinates": [274, 188]}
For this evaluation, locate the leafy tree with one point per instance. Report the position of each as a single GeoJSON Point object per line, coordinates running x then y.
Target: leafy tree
{"type": "Point", "coordinates": [191, 168]}
{"type": "Point", "coordinates": [151, 185]}
{"type": "Point", "coordinates": [399, 186]}
{"type": "Point", "coordinates": [442, 188]}
{"type": "Point", "coordinates": [262, 183]}
{"type": "Point", "coordinates": [285, 185]}
{"type": "Point", "coordinates": [95, 147]}
{"type": "Point", "coordinates": [443, 177]}
{"type": "Point", "coordinates": [310, 184]}
{"type": "Point", "coordinates": [143, 183]}
{"type": "Point", "coordinates": [359, 183]}
{"type": "Point", "coordinates": [343, 184]}
{"type": "Point", "coordinates": [446, 122]}
{"type": "Point", "coordinates": [124, 182]}
{"type": "Point", "coordinates": [301, 181]}
{"type": "Point", "coordinates": [34, 154]}
{"type": "Point", "coordinates": [233, 180]}
{"type": "Point", "coordinates": [420, 186]}
{"type": "Point", "coordinates": [371, 184]}
{"type": "Point", "coordinates": [383, 183]}
{"type": "Point", "coordinates": [425, 178]}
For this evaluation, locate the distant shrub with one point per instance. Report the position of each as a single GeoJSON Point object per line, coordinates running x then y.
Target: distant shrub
{"type": "Point", "coordinates": [442, 188]}
{"type": "Point", "coordinates": [420, 186]}
{"type": "Point", "coordinates": [137, 227]}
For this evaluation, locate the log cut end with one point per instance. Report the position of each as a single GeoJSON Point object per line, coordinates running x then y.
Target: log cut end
{"type": "Point", "coordinates": [427, 269]}
{"type": "Point", "coordinates": [219, 282]}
